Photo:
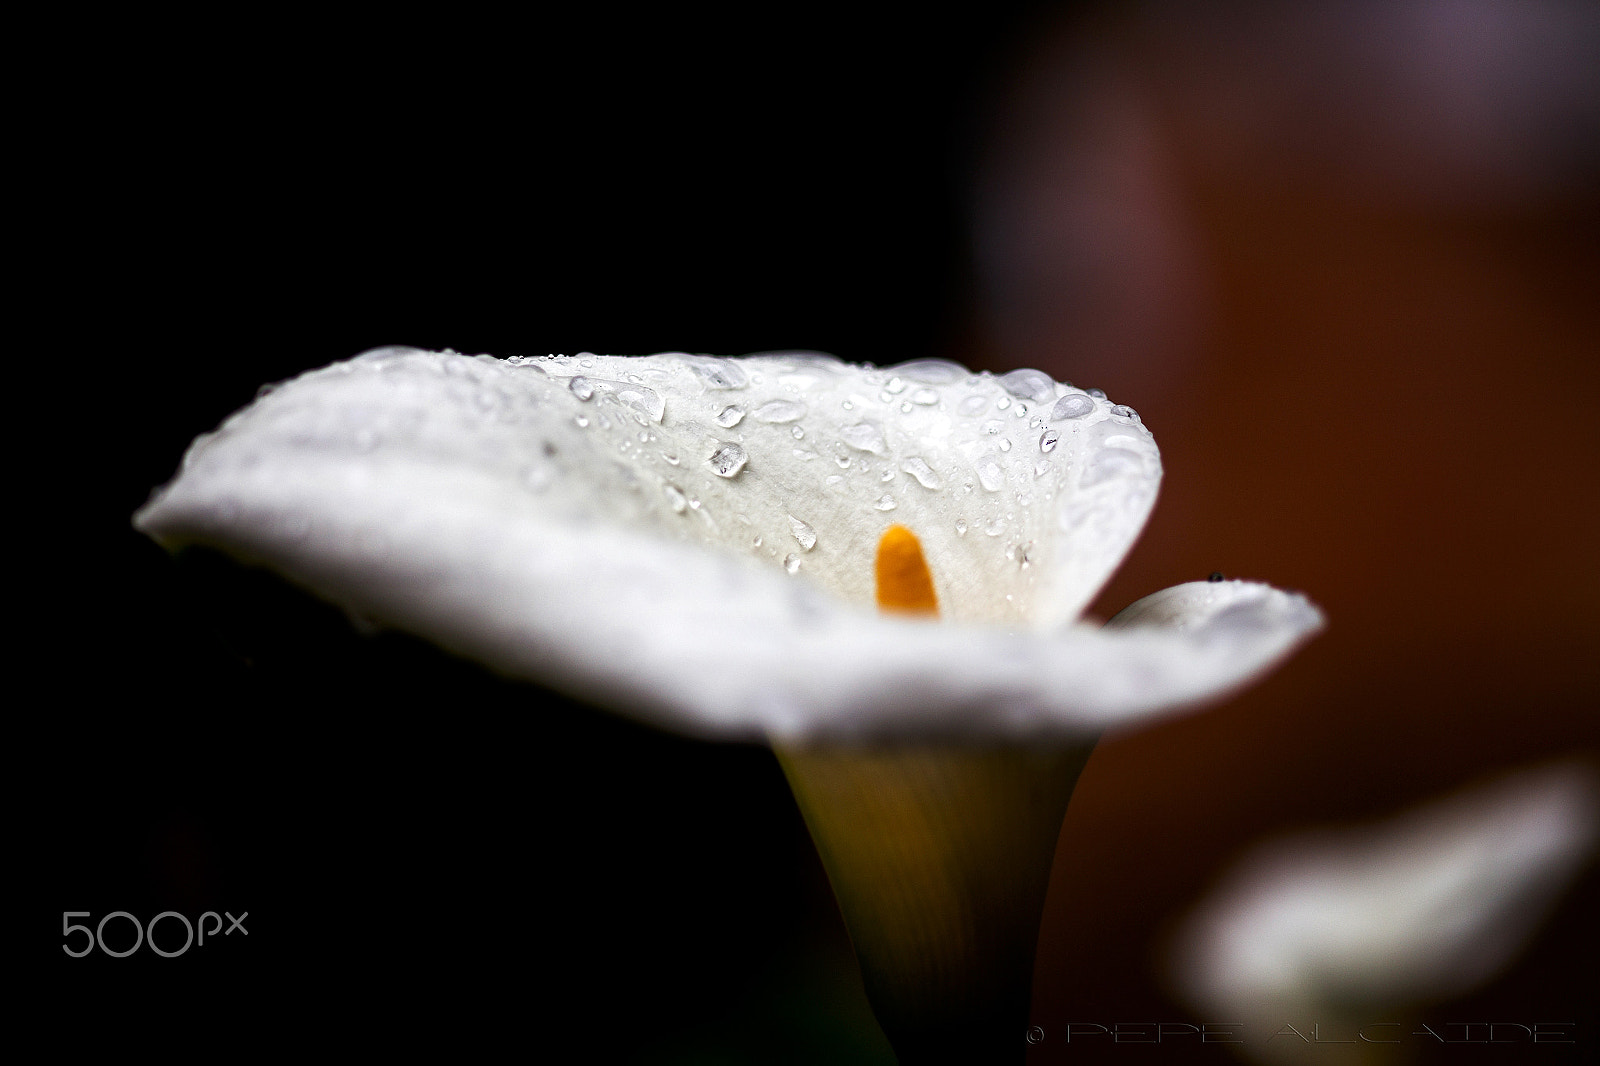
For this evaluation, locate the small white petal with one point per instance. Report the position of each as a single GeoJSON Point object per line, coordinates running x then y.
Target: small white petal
{"type": "Point", "coordinates": [1321, 925]}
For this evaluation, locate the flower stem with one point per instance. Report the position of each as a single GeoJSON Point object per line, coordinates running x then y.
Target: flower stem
{"type": "Point", "coordinates": [940, 858]}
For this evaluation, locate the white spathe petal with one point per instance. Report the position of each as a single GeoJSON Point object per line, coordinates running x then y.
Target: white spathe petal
{"type": "Point", "coordinates": [534, 583]}
{"type": "Point", "coordinates": [1025, 496]}
{"type": "Point", "coordinates": [1320, 925]}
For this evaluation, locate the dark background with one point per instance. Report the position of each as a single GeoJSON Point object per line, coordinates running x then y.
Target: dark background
{"type": "Point", "coordinates": [1376, 388]}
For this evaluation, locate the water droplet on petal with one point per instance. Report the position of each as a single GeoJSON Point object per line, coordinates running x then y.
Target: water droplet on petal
{"type": "Point", "coordinates": [865, 437]}
{"type": "Point", "coordinates": [918, 468]}
{"type": "Point", "coordinates": [719, 373]}
{"type": "Point", "coordinates": [803, 533]}
{"type": "Point", "coordinates": [925, 397]}
{"type": "Point", "coordinates": [536, 478]}
{"type": "Point", "coordinates": [990, 475]}
{"type": "Point", "coordinates": [757, 542]}
{"type": "Point", "coordinates": [885, 502]}
{"type": "Point", "coordinates": [727, 460]}
{"type": "Point", "coordinates": [780, 411]}
{"type": "Point", "coordinates": [791, 562]}
{"type": "Point", "coordinates": [895, 386]}
{"type": "Point", "coordinates": [582, 388]}
{"type": "Point", "coordinates": [1005, 445]}
{"type": "Point", "coordinates": [973, 406]}
{"type": "Point", "coordinates": [1029, 385]}
{"type": "Point", "coordinates": [1072, 405]}
{"type": "Point", "coordinates": [1003, 402]}
{"type": "Point", "coordinates": [1048, 440]}
{"type": "Point", "coordinates": [730, 416]}
{"type": "Point", "coordinates": [1122, 410]}
{"type": "Point", "coordinates": [581, 422]}
{"type": "Point", "coordinates": [995, 527]}
{"type": "Point", "coordinates": [931, 371]}
{"type": "Point", "coordinates": [1041, 468]}
{"type": "Point", "coordinates": [797, 433]}
{"type": "Point", "coordinates": [646, 404]}
{"type": "Point", "coordinates": [961, 527]}
{"type": "Point", "coordinates": [1098, 394]}
{"type": "Point", "coordinates": [676, 498]}
{"type": "Point", "coordinates": [1109, 464]}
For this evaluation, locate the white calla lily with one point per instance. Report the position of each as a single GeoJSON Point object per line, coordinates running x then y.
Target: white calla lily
{"type": "Point", "coordinates": [692, 541]}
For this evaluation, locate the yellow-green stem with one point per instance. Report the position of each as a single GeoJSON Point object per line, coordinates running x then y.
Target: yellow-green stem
{"type": "Point", "coordinates": [940, 858]}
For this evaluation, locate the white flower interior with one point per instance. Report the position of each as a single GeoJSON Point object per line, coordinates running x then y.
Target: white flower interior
{"type": "Point", "coordinates": [1026, 491]}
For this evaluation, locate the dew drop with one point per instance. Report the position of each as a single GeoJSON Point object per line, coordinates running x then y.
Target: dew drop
{"type": "Point", "coordinates": [671, 458]}
{"type": "Point", "coordinates": [719, 373]}
{"type": "Point", "coordinates": [888, 474]}
{"type": "Point", "coordinates": [848, 406]}
{"type": "Point", "coordinates": [1122, 410]}
{"type": "Point", "coordinates": [1216, 577]}
{"type": "Point", "coordinates": [995, 527]}
{"type": "Point", "coordinates": [797, 433]}
{"type": "Point", "coordinates": [1029, 385]}
{"type": "Point", "coordinates": [1005, 444]}
{"type": "Point", "coordinates": [727, 460]}
{"type": "Point", "coordinates": [757, 542]}
{"type": "Point", "coordinates": [582, 388]}
{"type": "Point", "coordinates": [1098, 394]}
{"type": "Point", "coordinates": [925, 397]}
{"type": "Point", "coordinates": [895, 386]}
{"type": "Point", "coordinates": [1003, 402]}
{"type": "Point", "coordinates": [973, 406]}
{"type": "Point", "coordinates": [961, 527]}
{"type": "Point", "coordinates": [1110, 464]}
{"type": "Point", "coordinates": [581, 422]}
{"type": "Point", "coordinates": [864, 437]}
{"type": "Point", "coordinates": [918, 468]}
{"type": "Point", "coordinates": [780, 411]}
{"type": "Point", "coordinates": [932, 371]}
{"type": "Point", "coordinates": [803, 533]}
{"type": "Point", "coordinates": [1048, 440]}
{"type": "Point", "coordinates": [536, 478]}
{"type": "Point", "coordinates": [1072, 405]}
{"type": "Point", "coordinates": [646, 404]}
{"type": "Point", "coordinates": [730, 416]}
{"type": "Point", "coordinates": [676, 498]}
{"type": "Point", "coordinates": [885, 502]}
{"type": "Point", "coordinates": [1041, 468]}
{"type": "Point", "coordinates": [791, 562]}
{"type": "Point", "coordinates": [905, 408]}
{"type": "Point", "coordinates": [990, 475]}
